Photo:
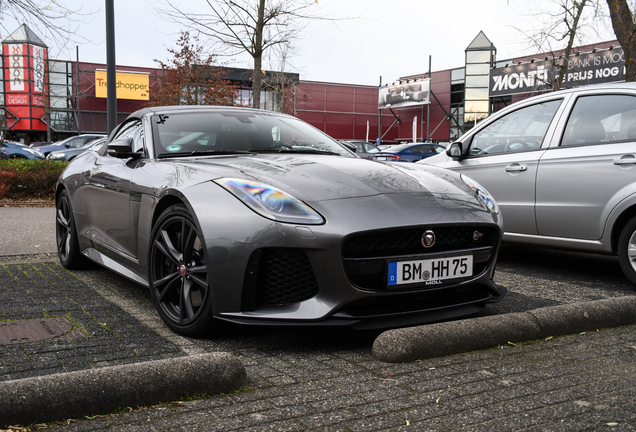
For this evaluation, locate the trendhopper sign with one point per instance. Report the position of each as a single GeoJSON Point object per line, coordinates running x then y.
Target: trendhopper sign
{"type": "Point", "coordinates": [583, 69]}
{"type": "Point", "coordinates": [129, 85]}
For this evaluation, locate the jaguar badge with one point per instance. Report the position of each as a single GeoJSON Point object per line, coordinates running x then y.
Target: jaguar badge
{"type": "Point", "coordinates": [428, 239]}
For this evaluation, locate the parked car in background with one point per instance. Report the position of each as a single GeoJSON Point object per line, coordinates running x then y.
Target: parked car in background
{"type": "Point", "coordinates": [15, 150]}
{"type": "Point", "coordinates": [385, 146]}
{"type": "Point", "coordinates": [70, 153]}
{"type": "Point", "coordinates": [408, 152]}
{"type": "Point", "coordinates": [72, 142]}
{"type": "Point", "coordinates": [364, 149]}
{"type": "Point", "coordinates": [256, 217]}
{"type": "Point", "coordinates": [562, 167]}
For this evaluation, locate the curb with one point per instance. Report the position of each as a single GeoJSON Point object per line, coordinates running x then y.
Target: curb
{"type": "Point", "coordinates": [94, 391]}
{"type": "Point", "coordinates": [436, 340]}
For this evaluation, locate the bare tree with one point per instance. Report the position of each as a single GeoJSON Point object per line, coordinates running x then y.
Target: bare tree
{"type": "Point", "coordinates": [278, 82]}
{"type": "Point", "coordinates": [561, 25]}
{"type": "Point", "coordinates": [190, 78]}
{"type": "Point", "coordinates": [624, 23]}
{"type": "Point", "coordinates": [50, 17]}
{"type": "Point", "coordinates": [247, 26]}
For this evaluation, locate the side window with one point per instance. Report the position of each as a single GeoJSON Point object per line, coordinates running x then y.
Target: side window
{"type": "Point", "coordinates": [520, 130]}
{"type": "Point", "coordinates": [420, 149]}
{"type": "Point", "coordinates": [601, 119]}
{"type": "Point", "coordinates": [78, 142]}
{"type": "Point", "coordinates": [370, 148]}
{"type": "Point", "coordinates": [135, 131]}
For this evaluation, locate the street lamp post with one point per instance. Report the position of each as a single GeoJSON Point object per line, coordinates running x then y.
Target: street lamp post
{"type": "Point", "coordinates": [111, 74]}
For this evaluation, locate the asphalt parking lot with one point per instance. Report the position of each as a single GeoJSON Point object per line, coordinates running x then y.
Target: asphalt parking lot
{"type": "Point", "coordinates": [318, 379]}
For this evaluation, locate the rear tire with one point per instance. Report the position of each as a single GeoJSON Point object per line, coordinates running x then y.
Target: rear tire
{"type": "Point", "coordinates": [66, 234]}
{"type": "Point", "coordinates": [627, 250]}
{"type": "Point", "coordinates": [178, 273]}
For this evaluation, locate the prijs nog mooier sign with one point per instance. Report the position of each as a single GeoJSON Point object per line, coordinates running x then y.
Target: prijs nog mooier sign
{"type": "Point", "coordinates": [583, 69]}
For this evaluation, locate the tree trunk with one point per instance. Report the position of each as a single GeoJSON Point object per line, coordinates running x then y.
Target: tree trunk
{"type": "Point", "coordinates": [624, 28]}
{"type": "Point", "coordinates": [568, 50]}
{"type": "Point", "coordinates": [258, 56]}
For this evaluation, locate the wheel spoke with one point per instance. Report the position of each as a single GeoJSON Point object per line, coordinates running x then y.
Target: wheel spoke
{"type": "Point", "coordinates": [631, 251]}
{"type": "Point", "coordinates": [171, 285]}
{"type": "Point", "coordinates": [61, 219]}
{"type": "Point", "coordinates": [201, 282]}
{"type": "Point", "coordinates": [61, 240]}
{"type": "Point", "coordinates": [199, 275]}
{"type": "Point", "coordinates": [166, 280]}
{"type": "Point", "coordinates": [187, 242]}
{"type": "Point", "coordinates": [168, 248]}
{"type": "Point", "coordinates": [67, 246]}
{"type": "Point", "coordinates": [184, 228]}
{"type": "Point", "coordinates": [187, 313]}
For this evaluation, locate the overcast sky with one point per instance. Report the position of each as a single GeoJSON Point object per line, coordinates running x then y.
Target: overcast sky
{"type": "Point", "coordinates": [392, 38]}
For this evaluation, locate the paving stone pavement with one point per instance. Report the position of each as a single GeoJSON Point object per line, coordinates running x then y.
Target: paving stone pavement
{"type": "Point", "coordinates": [318, 379]}
{"type": "Point", "coordinates": [104, 335]}
{"type": "Point", "coordinates": [311, 382]}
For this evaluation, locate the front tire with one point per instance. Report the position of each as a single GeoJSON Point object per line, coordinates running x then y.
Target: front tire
{"type": "Point", "coordinates": [66, 234]}
{"type": "Point", "coordinates": [627, 250]}
{"type": "Point", "coordinates": [178, 273]}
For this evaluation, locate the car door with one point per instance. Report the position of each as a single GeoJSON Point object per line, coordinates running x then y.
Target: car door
{"type": "Point", "coordinates": [590, 168]}
{"type": "Point", "coordinates": [107, 199]}
{"type": "Point", "coordinates": [503, 157]}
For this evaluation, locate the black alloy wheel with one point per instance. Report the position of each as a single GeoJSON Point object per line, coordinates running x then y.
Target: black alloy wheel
{"type": "Point", "coordinates": [178, 273]}
{"type": "Point", "coordinates": [66, 233]}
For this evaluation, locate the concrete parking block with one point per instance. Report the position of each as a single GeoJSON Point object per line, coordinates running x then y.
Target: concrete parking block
{"type": "Point", "coordinates": [436, 340]}
{"type": "Point", "coordinates": [99, 391]}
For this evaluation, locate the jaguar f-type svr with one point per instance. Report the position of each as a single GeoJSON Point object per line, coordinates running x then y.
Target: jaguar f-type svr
{"type": "Point", "coordinates": [251, 216]}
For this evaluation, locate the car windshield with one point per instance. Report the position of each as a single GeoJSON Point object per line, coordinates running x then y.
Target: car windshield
{"type": "Point", "coordinates": [210, 132]}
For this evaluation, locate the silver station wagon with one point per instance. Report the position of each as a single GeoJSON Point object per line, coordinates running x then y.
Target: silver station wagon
{"type": "Point", "coordinates": [562, 168]}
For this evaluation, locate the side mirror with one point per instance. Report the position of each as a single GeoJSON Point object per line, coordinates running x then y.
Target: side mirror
{"type": "Point", "coordinates": [67, 145]}
{"type": "Point", "coordinates": [455, 151]}
{"type": "Point", "coordinates": [122, 148]}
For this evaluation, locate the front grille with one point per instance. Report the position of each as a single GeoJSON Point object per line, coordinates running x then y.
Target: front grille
{"type": "Point", "coordinates": [409, 241]}
{"type": "Point", "coordinates": [284, 277]}
{"type": "Point", "coordinates": [365, 254]}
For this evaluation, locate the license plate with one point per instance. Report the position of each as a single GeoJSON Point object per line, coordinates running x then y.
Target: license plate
{"type": "Point", "coordinates": [430, 271]}
{"type": "Point", "coordinates": [380, 158]}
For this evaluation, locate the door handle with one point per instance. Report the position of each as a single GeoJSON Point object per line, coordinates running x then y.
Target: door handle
{"type": "Point", "coordinates": [625, 160]}
{"type": "Point", "coordinates": [516, 168]}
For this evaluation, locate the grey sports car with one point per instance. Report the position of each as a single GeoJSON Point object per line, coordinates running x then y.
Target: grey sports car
{"type": "Point", "coordinates": [250, 216]}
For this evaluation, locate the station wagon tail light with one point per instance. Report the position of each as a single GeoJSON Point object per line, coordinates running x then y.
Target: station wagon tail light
{"type": "Point", "coordinates": [270, 202]}
{"type": "Point", "coordinates": [483, 195]}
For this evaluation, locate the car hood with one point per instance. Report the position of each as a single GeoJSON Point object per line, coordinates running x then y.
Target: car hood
{"type": "Point", "coordinates": [314, 178]}
{"type": "Point", "coordinates": [49, 148]}
{"type": "Point", "coordinates": [438, 160]}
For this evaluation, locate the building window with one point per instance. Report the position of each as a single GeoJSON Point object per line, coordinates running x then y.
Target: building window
{"type": "Point", "coordinates": [480, 57]}
{"type": "Point", "coordinates": [458, 78]}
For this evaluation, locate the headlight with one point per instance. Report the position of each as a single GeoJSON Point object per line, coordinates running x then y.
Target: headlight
{"type": "Point", "coordinates": [270, 202]}
{"type": "Point", "coordinates": [482, 194]}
